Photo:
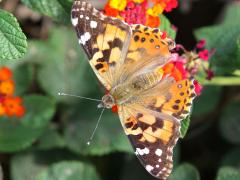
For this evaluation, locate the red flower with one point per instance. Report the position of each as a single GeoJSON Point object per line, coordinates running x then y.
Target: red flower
{"type": "Point", "coordinates": [198, 87]}
{"type": "Point", "coordinates": [171, 4]}
{"type": "Point", "coordinates": [109, 11]}
{"type": "Point", "coordinates": [135, 13]}
{"type": "Point", "coordinates": [204, 54]}
{"type": "Point", "coordinates": [176, 70]}
{"type": "Point", "coordinates": [201, 44]}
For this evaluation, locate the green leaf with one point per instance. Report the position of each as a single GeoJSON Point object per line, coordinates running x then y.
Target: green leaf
{"type": "Point", "coordinates": [184, 127]}
{"type": "Point", "coordinates": [211, 95]}
{"type": "Point", "coordinates": [232, 158]}
{"type": "Point", "coordinates": [13, 44]}
{"type": "Point", "coordinates": [230, 123]}
{"type": "Point", "coordinates": [225, 41]}
{"type": "Point", "coordinates": [167, 26]}
{"type": "Point", "coordinates": [109, 136]}
{"type": "Point", "coordinates": [22, 76]}
{"type": "Point", "coordinates": [69, 171]}
{"type": "Point", "coordinates": [57, 9]}
{"type": "Point", "coordinates": [35, 162]}
{"type": "Point", "coordinates": [64, 68]}
{"type": "Point", "coordinates": [228, 173]}
{"type": "Point", "coordinates": [17, 134]}
{"type": "Point", "coordinates": [50, 139]}
{"type": "Point", "coordinates": [185, 172]}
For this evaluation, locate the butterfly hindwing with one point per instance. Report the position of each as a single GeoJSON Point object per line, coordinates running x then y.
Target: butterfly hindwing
{"type": "Point", "coordinates": [104, 39]}
{"type": "Point", "coordinates": [152, 123]}
{"type": "Point", "coordinates": [153, 136]}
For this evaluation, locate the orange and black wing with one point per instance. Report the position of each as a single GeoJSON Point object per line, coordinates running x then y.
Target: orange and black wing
{"type": "Point", "coordinates": [104, 39]}
{"type": "Point", "coordinates": [152, 123]}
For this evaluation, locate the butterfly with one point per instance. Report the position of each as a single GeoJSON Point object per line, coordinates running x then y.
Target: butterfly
{"type": "Point", "coordinates": [128, 61]}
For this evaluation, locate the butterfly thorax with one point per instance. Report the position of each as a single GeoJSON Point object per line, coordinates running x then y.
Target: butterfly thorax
{"type": "Point", "coordinates": [129, 91]}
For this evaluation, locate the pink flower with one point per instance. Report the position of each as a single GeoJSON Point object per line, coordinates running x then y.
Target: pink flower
{"type": "Point", "coordinates": [201, 44]}
{"type": "Point", "coordinates": [204, 54]}
{"type": "Point", "coordinates": [198, 87]}
{"type": "Point", "coordinates": [177, 58]}
{"type": "Point", "coordinates": [171, 4]}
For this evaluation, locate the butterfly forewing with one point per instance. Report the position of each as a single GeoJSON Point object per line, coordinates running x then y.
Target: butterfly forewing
{"type": "Point", "coordinates": [104, 39]}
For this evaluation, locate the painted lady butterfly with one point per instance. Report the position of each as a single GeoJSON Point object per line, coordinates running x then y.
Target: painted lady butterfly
{"type": "Point", "coordinates": [128, 60]}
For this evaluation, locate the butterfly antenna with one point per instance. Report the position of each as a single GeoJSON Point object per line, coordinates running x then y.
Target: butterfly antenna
{"type": "Point", "coordinates": [72, 95]}
{"type": "Point", "coordinates": [94, 131]}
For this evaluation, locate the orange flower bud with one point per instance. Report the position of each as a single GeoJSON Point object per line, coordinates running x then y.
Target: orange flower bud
{"type": "Point", "coordinates": [7, 87]}
{"type": "Point", "coordinates": [13, 106]}
{"type": "Point", "coordinates": [5, 73]}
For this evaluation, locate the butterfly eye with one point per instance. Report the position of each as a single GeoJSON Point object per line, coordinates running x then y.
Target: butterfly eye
{"type": "Point", "coordinates": [171, 44]}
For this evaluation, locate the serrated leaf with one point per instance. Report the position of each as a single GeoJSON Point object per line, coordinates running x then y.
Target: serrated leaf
{"type": "Point", "coordinates": [184, 127]}
{"type": "Point", "coordinates": [185, 172]}
{"type": "Point", "coordinates": [82, 122]}
{"type": "Point", "coordinates": [230, 123]}
{"type": "Point", "coordinates": [13, 43]}
{"type": "Point", "coordinates": [167, 26]}
{"type": "Point", "coordinates": [224, 37]}
{"type": "Point", "coordinates": [18, 134]}
{"type": "Point", "coordinates": [57, 9]}
{"type": "Point", "coordinates": [228, 173]}
{"type": "Point", "coordinates": [69, 171]}
{"type": "Point", "coordinates": [35, 162]}
{"type": "Point", "coordinates": [65, 67]}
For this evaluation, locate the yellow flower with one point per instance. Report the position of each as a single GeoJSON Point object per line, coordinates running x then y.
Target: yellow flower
{"type": "Point", "coordinates": [156, 9]}
{"type": "Point", "coordinates": [118, 4]}
{"type": "Point", "coordinates": [138, 1]}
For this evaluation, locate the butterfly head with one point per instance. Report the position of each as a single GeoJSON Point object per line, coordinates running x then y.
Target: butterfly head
{"type": "Point", "coordinates": [107, 102]}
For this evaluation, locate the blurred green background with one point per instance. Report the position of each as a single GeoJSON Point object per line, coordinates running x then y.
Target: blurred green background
{"type": "Point", "coordinates": [49, 142]}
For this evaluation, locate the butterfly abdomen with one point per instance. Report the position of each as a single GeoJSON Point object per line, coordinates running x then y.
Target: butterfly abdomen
{"type": "Point", "coordinates": [146, 81]}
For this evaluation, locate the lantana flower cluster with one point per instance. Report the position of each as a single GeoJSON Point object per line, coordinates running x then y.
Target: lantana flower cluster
{"type": "Point", "coordinates": [10, 105]}
{"type": "Point", "coordinates": [139, 11]}
{"type": "Point", "coordinates": [185, 64]}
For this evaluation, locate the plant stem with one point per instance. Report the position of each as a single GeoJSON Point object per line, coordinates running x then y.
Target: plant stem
{"type": "Point", "coordinates": [223, 81]}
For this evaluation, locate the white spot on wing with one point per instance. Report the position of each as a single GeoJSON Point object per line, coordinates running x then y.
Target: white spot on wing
{"type": "Point", "coordinates": [157, 166]}
{"type": "Point", "coordinates": [149, 168]}
{"type": "Point", "coordinates": [93, 24]}
{"type": "Point", "coordinates": [74, 21]}
{"type": "Point", "coordinates": [81, 16]}
{"type": "Point", "coordinates": [87, 18]}
{"type": "Point", "coordinates": [142, 151]}
{"type": "Point", "coordinates": [84, 38]}
{"type": "Point", "coordinates": [158, 152]}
